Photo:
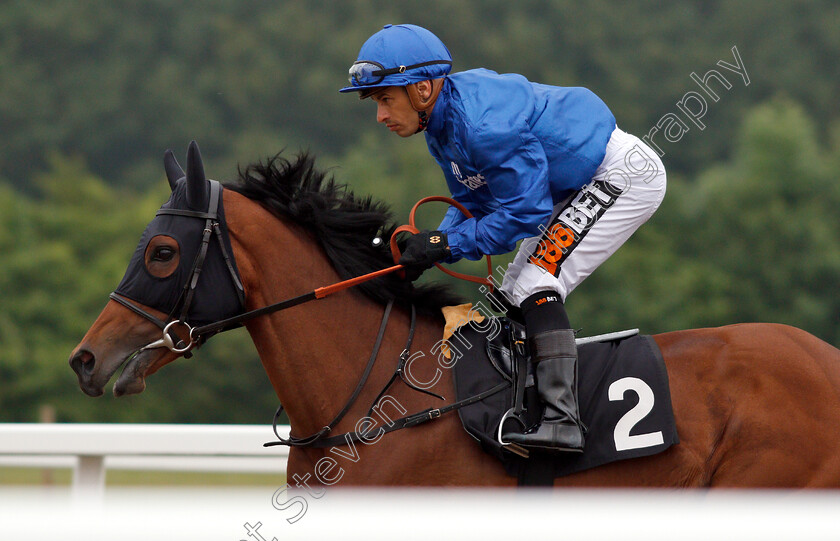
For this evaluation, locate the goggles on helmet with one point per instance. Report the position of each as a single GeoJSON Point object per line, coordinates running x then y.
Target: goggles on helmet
{"type": "Point", "coordinates": [368, 72]}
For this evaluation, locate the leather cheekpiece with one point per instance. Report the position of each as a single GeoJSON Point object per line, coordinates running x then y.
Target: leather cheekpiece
{"type": "Point", "coordinates": [417, 102]}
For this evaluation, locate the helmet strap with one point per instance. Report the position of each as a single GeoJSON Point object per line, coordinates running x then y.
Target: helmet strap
{"type": "Point", "coordinates": [424, 121]}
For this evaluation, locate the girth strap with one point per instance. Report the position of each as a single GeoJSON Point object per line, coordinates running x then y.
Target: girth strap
{"type": "Point", "coordinates": [408, 421]}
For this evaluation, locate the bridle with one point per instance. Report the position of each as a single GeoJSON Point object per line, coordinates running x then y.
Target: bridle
{"type": "Point", "coordinates": [212, 225]}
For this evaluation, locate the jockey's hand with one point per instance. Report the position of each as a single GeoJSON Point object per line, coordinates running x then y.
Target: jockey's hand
{"type": "Point", "coordinates": [422, 251]}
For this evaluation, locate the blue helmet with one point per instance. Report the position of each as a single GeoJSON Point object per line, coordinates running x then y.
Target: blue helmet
{"type": "Point", "coordinates": [399, 55]}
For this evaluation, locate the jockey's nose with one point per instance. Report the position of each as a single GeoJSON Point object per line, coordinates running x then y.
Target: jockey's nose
{"type": "Point", "coordinates": [381, 113]}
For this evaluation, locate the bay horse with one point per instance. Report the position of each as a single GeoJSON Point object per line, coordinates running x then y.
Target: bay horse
{"type": "Point", "coordinates": [756, 405]}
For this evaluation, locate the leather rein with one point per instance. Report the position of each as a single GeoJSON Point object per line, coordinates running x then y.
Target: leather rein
{"type": "Point", "coordinates": [199, 334]}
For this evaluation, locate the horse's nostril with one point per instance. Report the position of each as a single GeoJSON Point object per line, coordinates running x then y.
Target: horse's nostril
{"type": "Point", "coordinates": [83, 362]}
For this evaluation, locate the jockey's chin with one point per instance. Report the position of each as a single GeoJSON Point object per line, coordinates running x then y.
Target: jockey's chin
{"type": "Point", "coordinates": [403, 131]}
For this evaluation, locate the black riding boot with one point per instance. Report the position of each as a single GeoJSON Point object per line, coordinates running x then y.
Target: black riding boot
{"type": "Point", "coordinates": [554, 353]}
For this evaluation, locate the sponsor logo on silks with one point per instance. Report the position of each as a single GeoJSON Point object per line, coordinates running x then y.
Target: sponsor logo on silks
{"type": "Point", "coordinates": [544, 300]}
{"type": "Point", "coordinates": [571, 224]}
{"type": "Point", "coordinates": [434, 239]}
{"type": "Point", "coordinates": [472, 182]}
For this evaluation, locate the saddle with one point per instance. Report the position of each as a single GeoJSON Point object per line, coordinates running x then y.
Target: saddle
{"type": "Point", "coordinates": [624, 398]}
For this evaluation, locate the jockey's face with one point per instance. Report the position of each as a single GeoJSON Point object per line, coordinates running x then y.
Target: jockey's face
{"type": "Point", "coordinates": [394, 109]}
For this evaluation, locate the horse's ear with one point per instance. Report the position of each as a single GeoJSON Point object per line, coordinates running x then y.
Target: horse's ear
{"type": "Point", "coordinates": [173, 169]}
{"type": "Point", "coordinates": [197, 197]}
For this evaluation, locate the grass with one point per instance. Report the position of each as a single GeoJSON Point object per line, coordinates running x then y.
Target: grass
{"type": "Point", "coordinates": [63, 476]}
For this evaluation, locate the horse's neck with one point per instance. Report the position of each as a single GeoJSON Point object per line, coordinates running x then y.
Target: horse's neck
{"type": "Point", "coordinates": [315, 353]}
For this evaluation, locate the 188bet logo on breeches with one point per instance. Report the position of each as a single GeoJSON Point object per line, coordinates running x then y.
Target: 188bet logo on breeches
{"type": "Point", "coordinates": [571, 224]}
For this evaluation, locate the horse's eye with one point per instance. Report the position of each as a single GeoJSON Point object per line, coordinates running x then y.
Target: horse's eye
{"type": "Point", "coordinates": [163, 254]}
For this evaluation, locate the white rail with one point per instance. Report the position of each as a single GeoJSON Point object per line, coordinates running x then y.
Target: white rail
{"type": "Point", "coordinates": [225, 513]}
{"type": "Point", "coordinates": [91, 449]}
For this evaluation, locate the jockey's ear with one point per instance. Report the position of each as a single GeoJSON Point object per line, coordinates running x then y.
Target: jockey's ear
{"type": "Point", "coordinates": [423, 94]}
{"type": "Point", "coordinates": [424, 89]}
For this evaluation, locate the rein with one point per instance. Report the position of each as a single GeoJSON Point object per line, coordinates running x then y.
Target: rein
{"type": "Point", "coordinates": [321, 292]}
{"type": "Point", "coordinates": [198, 335]}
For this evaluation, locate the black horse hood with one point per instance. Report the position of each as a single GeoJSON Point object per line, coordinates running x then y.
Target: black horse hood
{"type": "Point", "coordinates": [216, 296]}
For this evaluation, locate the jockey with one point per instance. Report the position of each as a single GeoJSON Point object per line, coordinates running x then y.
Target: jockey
{"type": "Point", "coordinates": [542, 163]}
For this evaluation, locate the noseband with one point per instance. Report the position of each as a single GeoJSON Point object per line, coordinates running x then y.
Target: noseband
{"type": "Point", "coordinates": [212, 224]}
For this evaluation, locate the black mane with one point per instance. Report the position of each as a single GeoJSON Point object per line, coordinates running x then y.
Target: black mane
{"type": "Point", "coordinates": [343, 224]}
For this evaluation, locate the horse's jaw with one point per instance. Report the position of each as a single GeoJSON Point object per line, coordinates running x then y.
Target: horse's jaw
{"type": "Point", "coordinates": [132, 380]}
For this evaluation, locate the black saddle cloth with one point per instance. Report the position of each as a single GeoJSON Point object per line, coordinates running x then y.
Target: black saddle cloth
{"type": "Point", "coordinates": [623, 393]}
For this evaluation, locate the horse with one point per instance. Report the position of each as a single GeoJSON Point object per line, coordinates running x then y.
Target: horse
{"type": "Point", "coordinates": [756, 405]}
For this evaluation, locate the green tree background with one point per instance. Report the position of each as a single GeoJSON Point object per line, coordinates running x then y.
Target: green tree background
{"type": "Point", "coordinates": [93, 92]}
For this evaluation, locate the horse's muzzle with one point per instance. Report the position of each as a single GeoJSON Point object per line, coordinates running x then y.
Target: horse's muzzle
{"type": "Point", "coordinates": [83, 363]}
{"type": "Point", "coordinates": [94, 373]}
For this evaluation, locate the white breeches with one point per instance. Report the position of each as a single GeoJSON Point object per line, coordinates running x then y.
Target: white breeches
{"type": "Point", "coordinates": [589, 226]}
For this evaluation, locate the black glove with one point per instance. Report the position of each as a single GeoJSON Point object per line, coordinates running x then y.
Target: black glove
{"type": "Point", "coordinates": [422, 251]}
